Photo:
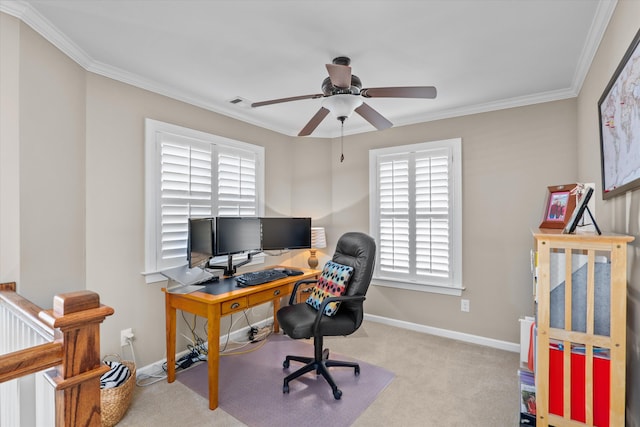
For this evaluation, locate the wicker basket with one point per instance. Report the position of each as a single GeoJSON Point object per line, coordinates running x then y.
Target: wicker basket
{"type": "Point", "coordinates": [115, 401]}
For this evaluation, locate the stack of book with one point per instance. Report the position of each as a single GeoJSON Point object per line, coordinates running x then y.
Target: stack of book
{"type": "Point", "coordinates": [527, 397]}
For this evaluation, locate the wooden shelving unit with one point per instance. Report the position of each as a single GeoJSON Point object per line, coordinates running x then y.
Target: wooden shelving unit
{"type": "Point", "coordinates": [614, 248]}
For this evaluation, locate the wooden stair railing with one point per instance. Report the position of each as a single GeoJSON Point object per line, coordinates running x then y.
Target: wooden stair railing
{"type": "Point", "coordinates": [75, 352]}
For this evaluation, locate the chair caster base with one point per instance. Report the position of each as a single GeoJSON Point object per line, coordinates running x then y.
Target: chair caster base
{"type": "Point", "coordinates": [320, 363]}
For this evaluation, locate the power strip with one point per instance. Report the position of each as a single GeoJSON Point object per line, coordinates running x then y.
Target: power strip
{"type": "Point", "coordinates": [189, 359]}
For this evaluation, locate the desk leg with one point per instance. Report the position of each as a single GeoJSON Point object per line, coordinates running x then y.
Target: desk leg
{"type": "Point", "coordinates": [213, 356]}
{"type": "Point", "coordinates": [170, 318]}
{"type": "Point", "coordinates": [276, 307]}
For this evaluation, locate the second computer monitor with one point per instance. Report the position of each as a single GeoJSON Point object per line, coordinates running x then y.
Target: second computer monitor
{"type": "Point", "coordinates": [286, 233]}
{"type": "Point", "coordinates": [236, 235]}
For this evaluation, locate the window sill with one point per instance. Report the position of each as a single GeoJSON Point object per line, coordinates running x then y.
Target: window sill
{"type": "Point", "coordinates": [435, 289]}
{"type": "Point", "coordinates": [153, 277]}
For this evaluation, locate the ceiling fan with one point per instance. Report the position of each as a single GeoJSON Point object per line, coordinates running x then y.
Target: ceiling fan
{"type": "Point", "coordinates": [343, 95]}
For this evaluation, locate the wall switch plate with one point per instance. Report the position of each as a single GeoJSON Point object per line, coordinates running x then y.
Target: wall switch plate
{"type": "Point", "coordinates": [464, 305]}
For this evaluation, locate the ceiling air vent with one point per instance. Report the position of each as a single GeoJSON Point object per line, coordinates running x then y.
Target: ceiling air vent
{"type": "Point", "coordinates": [239, 101]}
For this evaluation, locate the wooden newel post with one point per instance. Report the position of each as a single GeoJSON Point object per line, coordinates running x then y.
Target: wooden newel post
{"type": "Point", "coordinates": [76, 318]}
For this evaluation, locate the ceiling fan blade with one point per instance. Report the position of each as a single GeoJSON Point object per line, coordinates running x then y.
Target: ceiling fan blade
{"type": "Point", "coordinates": [373, 117]}
{"type": "Point", "coordinates": [340, 75]}
{"type": "Point", "coordinates": [429, 92]}
{"type": "Point", "coordinates": [314, 122]}
{"type": "Point", "coordinates": [292, 98]}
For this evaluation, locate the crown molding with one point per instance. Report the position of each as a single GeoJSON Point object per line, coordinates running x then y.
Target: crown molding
{"type": "Point", "coordinates": [136, 80]}
{"type": "Point", "coordinates": [596, 32]}
{"type": "Point", "coordinates": [31, 17]}
{"type": "Point", "coordinates": [42, 26]}
{"type": "Point", "coordinates": [13, 8]}
{"type": "Point", "coordinates": [502, 104]}
{"type": "Point", "coordinates": [468, 110]}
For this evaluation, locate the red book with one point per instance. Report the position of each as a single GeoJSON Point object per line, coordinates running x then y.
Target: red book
{"type": "Point", "coordinates": [601, 387]}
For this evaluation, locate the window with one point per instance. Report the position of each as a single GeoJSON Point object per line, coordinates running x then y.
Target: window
{"type": "Point", "coordinates": [416, 215]}
{"type": "Point", "coordinates": [192, 173]}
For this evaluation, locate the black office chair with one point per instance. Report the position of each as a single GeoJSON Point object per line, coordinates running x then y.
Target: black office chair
{"type": "Point", "coordinates": [356, 250]}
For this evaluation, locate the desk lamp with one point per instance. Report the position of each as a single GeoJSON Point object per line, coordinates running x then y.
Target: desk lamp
{"type": "Point", "coordinates": [318, 241]}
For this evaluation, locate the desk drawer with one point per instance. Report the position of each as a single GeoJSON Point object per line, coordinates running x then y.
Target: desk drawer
{"type": "Point", "coordinates": [233, 305]}
{"type": "Point", "coordinates": [268, 295]}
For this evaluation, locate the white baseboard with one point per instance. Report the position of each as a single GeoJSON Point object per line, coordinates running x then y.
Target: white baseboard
{"type": "Point", "coordinates": [460, 336]}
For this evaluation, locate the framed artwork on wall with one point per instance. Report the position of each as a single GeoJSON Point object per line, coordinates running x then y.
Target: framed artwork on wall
{"type": "Point", "coordinates": [619, 114]}
{"type": "Point", "coordinates": [560, 205]}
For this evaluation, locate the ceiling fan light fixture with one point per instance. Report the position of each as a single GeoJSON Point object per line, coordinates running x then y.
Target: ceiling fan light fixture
{"type": "Point", "coordinates": [343, 94]}
{"type": "Point", "coordinates": [342, 105]}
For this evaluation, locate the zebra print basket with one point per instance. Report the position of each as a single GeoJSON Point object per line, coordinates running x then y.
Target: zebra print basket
{"type": "Point", "coordinates": [115, 401]}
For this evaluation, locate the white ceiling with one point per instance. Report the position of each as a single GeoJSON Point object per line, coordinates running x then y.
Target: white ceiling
{"type": "Point", "coordinates": [482, 55]}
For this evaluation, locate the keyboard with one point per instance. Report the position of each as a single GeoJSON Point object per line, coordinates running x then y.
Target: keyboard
{"type": "Point", "coordinates": [259, 277]}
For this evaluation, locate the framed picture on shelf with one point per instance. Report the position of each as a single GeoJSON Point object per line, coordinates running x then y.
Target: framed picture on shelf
{"type": "Point", "coordinates": [619, 114]}
{"type": "Point", "coordinates": [560, 205]}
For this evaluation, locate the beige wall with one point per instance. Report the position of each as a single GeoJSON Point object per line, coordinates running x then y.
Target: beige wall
{"type": "Point", "coordinates": [47, 117]}
{"type": "Point", "coordinates": [312, 171]}
{"type": "Point", "coordinates": [9, 149]}
{"type": "Point", "coordinates": [620, 214]}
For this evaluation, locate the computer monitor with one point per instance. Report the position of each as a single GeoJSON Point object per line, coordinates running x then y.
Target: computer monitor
{"type": "Point", "coordinates": [286, 233]}
{"type": "Point", "coordinates": [236, 235]}
{"type": "Point", "coordinates": [200, 241]}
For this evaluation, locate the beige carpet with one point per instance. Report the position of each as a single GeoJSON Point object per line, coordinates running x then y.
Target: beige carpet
{"type": "Point", "coordinates": [439, 382]}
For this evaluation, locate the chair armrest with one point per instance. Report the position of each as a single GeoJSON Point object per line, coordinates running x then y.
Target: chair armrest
{"type": "Point", "coordinates": [326, 301]}
{"type": "Point", "coordinates": [292, 298]}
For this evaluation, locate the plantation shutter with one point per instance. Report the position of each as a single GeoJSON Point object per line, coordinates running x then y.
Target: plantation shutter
{"type": "Point", "coordinates": [200, 179]}
{"type": "Point", "coordinates": [185, 190]}
{"type": "Point", "coordinates": [189, 173]}
{"type": "Point", "coordinates": [237, 193]}
{"type": "Point", "coordinates": [412, 214]}
{"type": "Point", "coordinates": [395, 235]}
{"type": "Point", "coordinates": [432, 214]}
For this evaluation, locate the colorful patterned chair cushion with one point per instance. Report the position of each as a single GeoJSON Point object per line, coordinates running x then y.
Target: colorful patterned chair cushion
{"type": "Point", "coordinates": [332, 283]}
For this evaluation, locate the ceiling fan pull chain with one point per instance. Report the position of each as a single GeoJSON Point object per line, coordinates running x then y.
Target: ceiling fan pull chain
{"type": "Point", "coordinates": [342, 141]}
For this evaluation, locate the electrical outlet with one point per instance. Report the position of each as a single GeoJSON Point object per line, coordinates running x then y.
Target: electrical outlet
{"type": "Point", "coordinates": [125, 335]}
{"type": "Point", "coordinates": [464, 305]}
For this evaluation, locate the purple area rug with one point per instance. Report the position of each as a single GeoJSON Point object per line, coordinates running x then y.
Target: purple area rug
{"type": "Point", "coordinates": [251, 387]}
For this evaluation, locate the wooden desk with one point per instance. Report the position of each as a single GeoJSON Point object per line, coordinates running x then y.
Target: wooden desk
{"type": "Point", "coordinates": [213, 307]}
